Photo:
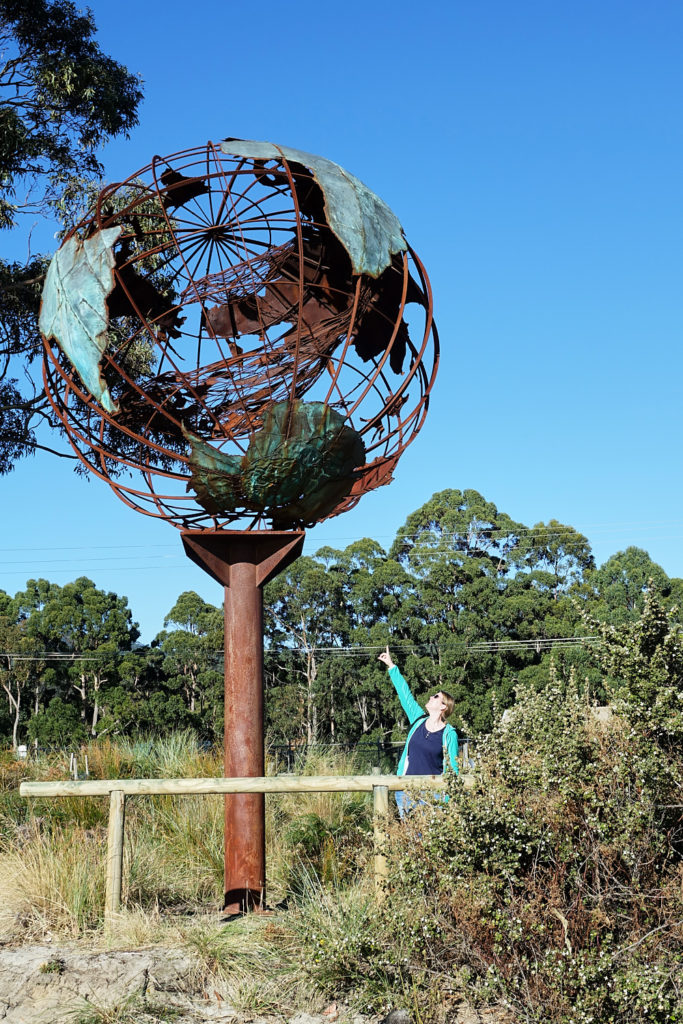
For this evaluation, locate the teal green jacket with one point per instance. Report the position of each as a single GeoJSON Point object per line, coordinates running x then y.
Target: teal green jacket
{"type": "Point", "coordinates": [416, 715]}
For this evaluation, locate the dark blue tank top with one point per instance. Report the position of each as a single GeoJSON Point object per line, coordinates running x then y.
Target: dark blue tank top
{"type": "Point", "coordinates": [425, 752]}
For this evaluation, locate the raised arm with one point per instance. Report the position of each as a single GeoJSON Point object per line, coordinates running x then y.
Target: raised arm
{"type": "Point", "coordinates": [408, 702]}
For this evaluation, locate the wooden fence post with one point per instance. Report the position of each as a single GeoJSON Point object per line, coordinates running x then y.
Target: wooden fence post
{"type": "Point", "coordinates": [118, 789]}
{"type": "Point", "coordinates": [380, 814]}
{"type": "Point", "coordinates": [117, 814]}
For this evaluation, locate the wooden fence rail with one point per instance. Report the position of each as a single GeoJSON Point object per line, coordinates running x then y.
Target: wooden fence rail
{"type": "Point", "coordinates": [118, 789]}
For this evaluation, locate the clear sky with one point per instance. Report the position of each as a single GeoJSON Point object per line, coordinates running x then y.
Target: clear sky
{"type": "Point", "coordinates": [533, 152]}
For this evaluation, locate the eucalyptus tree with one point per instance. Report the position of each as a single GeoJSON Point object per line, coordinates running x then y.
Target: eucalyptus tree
{"type": "Point", "coordinates": [372, 588]}
{"type": "Point", "coordinates": [620, 584]}
{"type": "Point", "coordinates": [27, 608]}
{"type": "Point", "coordinates": [61, 98]}
{"type": "Point", "coordinates": [192, 660]}
{"type": "Point", "coordinates": [558, 555]}
{"type": "Point", "coordinates": [461, 552]}
{"type": "Point", "coordinates": [89, 628]}
{"type": "Point", "coordinates": [20, 666]}
{"type": "Point", "coordinates": [304, 625]}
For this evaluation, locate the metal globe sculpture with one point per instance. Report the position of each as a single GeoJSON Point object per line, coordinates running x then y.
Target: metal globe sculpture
{"type": "Point", "coordinates": [239, 335]}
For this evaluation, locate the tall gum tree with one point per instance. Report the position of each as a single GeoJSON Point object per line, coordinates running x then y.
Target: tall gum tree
{"type": "Point", "coordinates": [372, 587]}
{"type": "Point", "coordinates": [192, 652]}
{"type": "Point", "coordinates": [21, 665]}
{"type": "Point", "coordinates": [303, 620]}
{"type": "Point", "coordinates": [92, 626]}
{"type": "Point", "coordinates": [61, 99]}
{"type": "Point", "coordinates": [459, 550]}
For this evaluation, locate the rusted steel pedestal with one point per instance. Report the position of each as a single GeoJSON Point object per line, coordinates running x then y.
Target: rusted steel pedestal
{"type": "Point", "coordinates": [243, 561]}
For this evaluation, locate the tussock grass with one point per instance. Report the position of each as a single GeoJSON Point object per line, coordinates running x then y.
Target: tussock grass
{"type": "Point", "coordinates": [174, 850]}
{"type": "Point", "coordinates": [323, 834]}
{"type": "Point", "coordinates": [135, 1010]}
{"type": "Point", "coordinates": [248, 963]}
{"type": "Point", "coordinates": [52, 852]}
{"type": "Point", "coordinates": [52, 881]}
{"type": "Point", "coordinates": [52, 872]}
{"type": "Point", "coordinates": [177, 755]}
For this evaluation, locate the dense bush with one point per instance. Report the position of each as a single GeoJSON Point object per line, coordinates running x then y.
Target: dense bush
{"type": "Point", "coordinates": [554, 887]}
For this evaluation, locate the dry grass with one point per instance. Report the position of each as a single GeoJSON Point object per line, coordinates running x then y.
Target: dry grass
{"type": "Point", "coordinates": [52, 870]}
{"type": "Point", "coordinates": [52, 851]}
{"type": "Point", "coordinates": [52, 882]}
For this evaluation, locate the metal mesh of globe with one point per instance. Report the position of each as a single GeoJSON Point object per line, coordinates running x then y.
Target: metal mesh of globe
{"type": "Point", "coordinates": [239, 335]}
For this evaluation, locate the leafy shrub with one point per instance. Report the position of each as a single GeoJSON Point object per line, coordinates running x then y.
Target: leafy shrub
{"type": "Point", "coordinates": [553, 887]}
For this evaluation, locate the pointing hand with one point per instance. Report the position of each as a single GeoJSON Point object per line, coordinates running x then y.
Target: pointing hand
{"type": "Point", "coordinates": [386, 658]}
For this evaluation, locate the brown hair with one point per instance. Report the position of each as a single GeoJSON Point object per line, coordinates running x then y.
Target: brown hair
{"type": "Point", "coordinates": [449, 701]}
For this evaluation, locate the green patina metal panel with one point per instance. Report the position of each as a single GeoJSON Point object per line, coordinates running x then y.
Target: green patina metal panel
{"type": "Point", "coordinates": [296, 469]}
{"type": "Point", "coordinates": [74, 307]}
{"type": "Point", "coordinates": [215, 476]}
{"type": "Point", "coordinates": [369, 231]}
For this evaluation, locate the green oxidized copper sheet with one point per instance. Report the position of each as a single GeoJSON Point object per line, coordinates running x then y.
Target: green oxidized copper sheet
{"type": "Point", "coordinates": [297, 468]}
{"type": "Point", "coordinates": [215, 476]}
{"type": "Point", "coordinates": [74, 307]}
{"type": "Point", "coordinates": [367, 228]}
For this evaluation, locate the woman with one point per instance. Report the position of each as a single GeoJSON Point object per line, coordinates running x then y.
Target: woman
{"type": "Point", "coordinates": [431, 740]}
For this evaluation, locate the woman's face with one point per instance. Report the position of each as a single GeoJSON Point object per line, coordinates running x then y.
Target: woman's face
{"type": "Point", "coordinates": [436, 703]}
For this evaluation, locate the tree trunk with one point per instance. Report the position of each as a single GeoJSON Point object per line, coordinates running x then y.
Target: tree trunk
{"type": "Point", "coordinates": [332, 712]}
{"type": "Point", "coordinates": [15, 727]}
{"type": "Point", "coordinates": [363, 709]}
{"type": "Point", "coordinates": [311, 707]}
{"type": "Point", "coordinates": [82, 690]}
{"type": "Point", "coordinates": [97, 684]}
{"type": "Point", "coordinates": [14, 703]}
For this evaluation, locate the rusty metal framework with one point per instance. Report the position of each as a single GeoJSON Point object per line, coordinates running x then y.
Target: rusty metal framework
{"type": "Point", "coordinates": [232, 294]}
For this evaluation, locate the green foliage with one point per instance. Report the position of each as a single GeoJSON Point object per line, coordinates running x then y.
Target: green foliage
{"type": "Point", "coordinates": [133, 1010]}
{"type": "Point", "coordinates": [339, 944]}
{"type": "Point", "coordinates": [552, 887]}
{"type": "Point", "coordinates": [331, 850]}
{"type": "Point", "coordinates": [55, 966]}
{"type": "Point", "coordinates": [469, 600]}
{"type": "Point", "coordinates": [57, 725]}
{"type": "Point", "coordinates": [61, 98]}
{"type": "Point", "coordinates": [92, 626]}
{"type": "Point", "coordinates": [644, 660]}
{"type": "Point", "coordinates": [558, 551]}
{"type": "Point", "coordinates": [622, 583]}
{"type": "Point", "coordinates": [20, 667]}
{"type": "Point", "coordinates": [192, 663]}
{"type": "Point", "coordinates": [20, 342]}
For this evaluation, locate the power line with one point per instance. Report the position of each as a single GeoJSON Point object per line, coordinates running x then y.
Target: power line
{"type": "Point", "coordinates": [488, 646]}
{"type": "Point", "coordinates": [110, 568]}
{"type": "Point", "coordinates": [105, 558]}
{"type": "Point", "coordinates": [567, 531]}
{"type": "Point", "coordinates": [90, 547]}
{"type": "Point", "coordinates": [538, 644]}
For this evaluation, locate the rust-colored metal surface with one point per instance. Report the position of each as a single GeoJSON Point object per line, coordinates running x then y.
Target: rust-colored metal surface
{"type": "Point", "coordinates": [225, 292]}
{"type": "Point", "coordinates": [243, 563]}
{"type": "Point", "coordinates": [239, 340]}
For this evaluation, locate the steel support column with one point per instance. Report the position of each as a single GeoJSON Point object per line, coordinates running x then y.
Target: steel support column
{"type": "Point", "coordinates": [244, 561]}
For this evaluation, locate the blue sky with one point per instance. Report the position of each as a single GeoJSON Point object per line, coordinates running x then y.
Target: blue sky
{"type": "Point", "coordinates": [534, 155]}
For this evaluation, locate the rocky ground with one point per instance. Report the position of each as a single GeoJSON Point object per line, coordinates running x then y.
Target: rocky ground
{"type": "Point", "coordinates": [44, 984]}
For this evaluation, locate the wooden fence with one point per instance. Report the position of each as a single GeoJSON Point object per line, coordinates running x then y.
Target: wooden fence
{"type": "Point", "coordinates": [118, 789]}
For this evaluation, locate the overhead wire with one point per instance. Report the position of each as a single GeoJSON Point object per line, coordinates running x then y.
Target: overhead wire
{"type": "Point", "coordinates": [351, 650]}
{"type": "Point", "coordinates": [566, 531]}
